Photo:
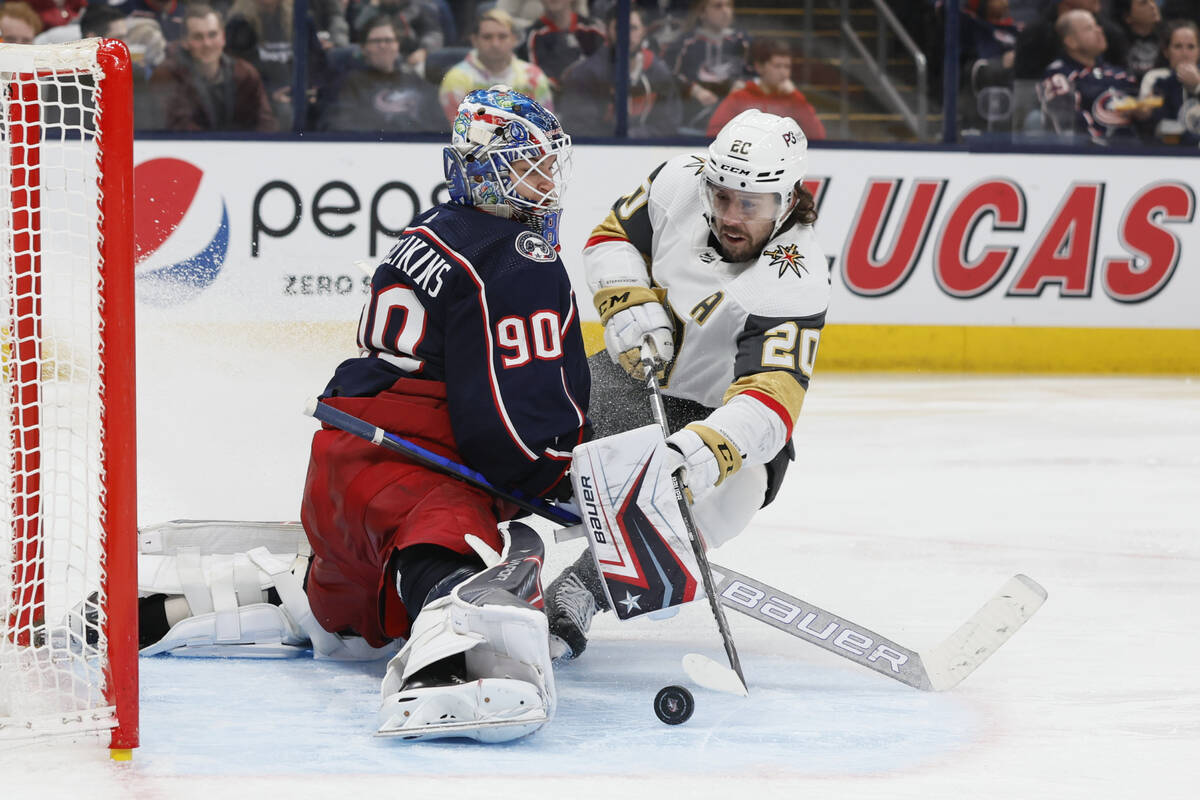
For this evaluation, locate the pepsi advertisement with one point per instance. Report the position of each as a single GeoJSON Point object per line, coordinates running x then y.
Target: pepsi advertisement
{"type": "Point", "coordinates": [289, 232]}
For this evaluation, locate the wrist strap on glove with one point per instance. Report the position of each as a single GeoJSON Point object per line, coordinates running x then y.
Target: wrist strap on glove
{"type": "Point", "coordinates": [612, 299]}
{"type": "Point", "coordinates": [729, 460]}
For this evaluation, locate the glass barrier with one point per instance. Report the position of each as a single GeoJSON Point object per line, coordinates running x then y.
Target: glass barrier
{"type": "Point", "coordinates": [846, 70]}
{"type": "Point", "coordinates": [1121, 74]}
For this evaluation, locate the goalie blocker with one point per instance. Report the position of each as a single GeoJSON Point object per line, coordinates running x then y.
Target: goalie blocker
{"type": "Point", "coordinates": [634, 526]}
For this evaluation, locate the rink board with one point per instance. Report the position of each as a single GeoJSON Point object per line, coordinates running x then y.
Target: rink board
{"type": "Point", "coordinates": [939, 260]}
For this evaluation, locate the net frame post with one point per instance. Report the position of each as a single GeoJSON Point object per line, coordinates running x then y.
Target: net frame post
{"type": "Point", "coordinates": [115, 104]}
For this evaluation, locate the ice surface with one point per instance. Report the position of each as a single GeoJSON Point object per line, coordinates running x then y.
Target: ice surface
{"type": "Point", "coordinates": [912, 499]}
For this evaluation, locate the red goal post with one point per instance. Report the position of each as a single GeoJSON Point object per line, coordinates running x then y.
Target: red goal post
{"type": "Point", "coordinates": [68, 503]}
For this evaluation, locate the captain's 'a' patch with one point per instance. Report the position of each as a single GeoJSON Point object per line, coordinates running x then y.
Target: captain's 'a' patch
{"type": "Point", "coordinates": [534, 247]}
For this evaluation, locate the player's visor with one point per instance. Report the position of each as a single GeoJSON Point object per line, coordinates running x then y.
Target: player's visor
{"type": "Point", "coordinates": [732, 207]}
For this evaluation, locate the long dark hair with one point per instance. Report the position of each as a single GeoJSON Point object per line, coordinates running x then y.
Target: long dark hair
{"type": "Point", "coordinates": [805, 211]}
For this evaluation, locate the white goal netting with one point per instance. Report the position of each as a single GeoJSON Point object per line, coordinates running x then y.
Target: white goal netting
{"type": "Point", "coordinates": [53, 640]}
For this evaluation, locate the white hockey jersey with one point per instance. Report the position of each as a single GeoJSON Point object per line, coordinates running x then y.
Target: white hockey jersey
{"type": "Point", "coordinates": [747, 328]}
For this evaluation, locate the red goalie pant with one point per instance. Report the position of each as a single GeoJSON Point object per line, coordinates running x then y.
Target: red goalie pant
{"type": "Point", "coordinates": [362, 502]}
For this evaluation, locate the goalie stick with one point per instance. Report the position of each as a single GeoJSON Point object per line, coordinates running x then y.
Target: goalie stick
{"type": "Point", "coordinates": [938, 669]}
{"type": "Point", "coordinates": [364, 430]}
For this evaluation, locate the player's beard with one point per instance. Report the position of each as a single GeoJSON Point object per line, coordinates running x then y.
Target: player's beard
{"type": "Point", "coordinates": [737, 242]}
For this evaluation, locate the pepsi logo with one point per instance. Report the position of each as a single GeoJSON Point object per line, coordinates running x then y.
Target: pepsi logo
{"type": "Point", "coordinates": [181, 231]}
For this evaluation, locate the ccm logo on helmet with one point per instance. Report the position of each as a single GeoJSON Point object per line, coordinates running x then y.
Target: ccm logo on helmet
{"type": "Point", "coordinates": [734, 169]}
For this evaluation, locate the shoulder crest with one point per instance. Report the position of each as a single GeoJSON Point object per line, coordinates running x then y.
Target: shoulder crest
{"type": "Point", "coordinates": [534, 247]}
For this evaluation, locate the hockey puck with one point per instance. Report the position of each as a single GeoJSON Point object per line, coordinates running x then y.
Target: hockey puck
{"type": "Point", "coordinates": [674, 704]}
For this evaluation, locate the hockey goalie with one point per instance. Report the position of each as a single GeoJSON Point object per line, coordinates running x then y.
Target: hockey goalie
{"type": "Point", "coordinates": [470, 346]}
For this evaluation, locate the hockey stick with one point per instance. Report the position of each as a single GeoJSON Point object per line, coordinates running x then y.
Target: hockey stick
{"type": "Point", "coordinates": [427, 458]}
{"type": "Point", "coordinates": [701, 669]}
{"type": "Point", "coordinates": [937, 669]}
{"type": "Point", "coordinates": [940, 668]}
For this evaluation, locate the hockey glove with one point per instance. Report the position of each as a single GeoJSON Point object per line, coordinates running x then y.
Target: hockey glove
{"type": "Point", "coordinates": [628, 329]}
{"type": "Point", "coordinates": [706, 456]}
{"type": "Point", "coordinates": [631, 314]}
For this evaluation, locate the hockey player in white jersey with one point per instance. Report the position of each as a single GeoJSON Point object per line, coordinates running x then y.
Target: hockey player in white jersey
{"type": "Point", "coordinates": [713, 260]}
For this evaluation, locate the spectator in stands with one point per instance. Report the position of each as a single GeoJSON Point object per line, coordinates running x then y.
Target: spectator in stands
{"type": "Point", "coordinates": [203, 88]}
{"type": "Point", "coordinates": [772, 91]}
{"type": "Point", "coordinates": [57, 12]}
{"type": "Point", "coordinates": [491, 61]}
{"type": "Point", "coordinates": [146, 51]}
{"type": "Point", "coordinates": [19, 23]}
{"type": "Point", "coordinates": [1038, 44]}
{"type": "Point", "coordinates": [559, 38]}
{"type": "Point", "coordinates": [525, 12]}
{"type": "Point", "coordinates": [385, 95]}
{"type": "Point", "coordinates": [989, 33]}
{"type": "Point", "coordinates": [419, 16]}
{"type": "Point", "coordinates": [260, 31]}
{"type": "Point", "coordinates": [102, 21]}
{"type": "Point", "coordinates": [666, 21]}
{"type": "Point", "coordinates": [333, 27]}
{"type": "Point", "coordinates": [167, 13]}
{"type": "Point", "coordinates": [989, 40]}
{"type": "Point", "coordinates": [1141, 23]}
{"type": "Point", "coordinates": [1081, 93]}
{"type": "Point", "coordinates": [710, 61]}
{"type": "Point", "coordinates": [1173, 92]}
{"type": "Point", "coordinates": [587, 100]}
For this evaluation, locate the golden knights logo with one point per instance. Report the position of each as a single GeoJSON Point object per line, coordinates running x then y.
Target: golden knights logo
{"type": "Point", "coordinates": [786, 257]}
{"type": "Point", "coordinates": [697, 163]}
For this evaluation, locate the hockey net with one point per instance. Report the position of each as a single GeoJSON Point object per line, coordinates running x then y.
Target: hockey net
{"type": "Point", "coordinates": [68, 622]}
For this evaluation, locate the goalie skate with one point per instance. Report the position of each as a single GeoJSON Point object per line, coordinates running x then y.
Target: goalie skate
{"type": "Point", "coordinates": [492, 625]}
{"type": "Point", "coordinates": [487, 710]}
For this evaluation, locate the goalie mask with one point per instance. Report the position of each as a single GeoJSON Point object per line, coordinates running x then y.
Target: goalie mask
{"type": "Point", "coordinates": [509, 156]}
{"type": "Point", "coordinates": [751, 180]}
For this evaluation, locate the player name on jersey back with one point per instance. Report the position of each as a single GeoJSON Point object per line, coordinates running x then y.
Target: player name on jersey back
{"type": "Point", "coordinates": [420, 261]}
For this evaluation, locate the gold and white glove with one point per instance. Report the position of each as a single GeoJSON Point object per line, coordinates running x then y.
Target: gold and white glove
{"type": "Point", "coordinates": [630, 315]}
{"type": "Point", "coordinates": [706, 456]}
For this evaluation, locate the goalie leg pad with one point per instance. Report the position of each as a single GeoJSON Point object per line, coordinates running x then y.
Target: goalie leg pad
{"type": "Point", "coordinates": [494, 619]}
{"type": "Point", "coordinates": [635, 528]}
{"type": "Point", "coordinates": [223, 569]}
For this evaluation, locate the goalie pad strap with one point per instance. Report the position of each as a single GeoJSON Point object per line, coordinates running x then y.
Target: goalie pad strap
{"type": "Point", "coordinates": [729, 460]}
{"type": "Point", "coordinates": [225, 604]}
{"type": "Point", "coordinates": [191, 576]}
{"type": "Point", "coordinates": [246, 581]}
{"type": "Point", "coordinates": [612, 299]}
{"type": "Point", "coordinates": [295, 601]}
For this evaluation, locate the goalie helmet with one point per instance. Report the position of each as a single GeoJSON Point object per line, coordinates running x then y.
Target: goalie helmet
{"type": "Point", "coordinates": [759, 153]}
{"type": "Point", "coordinates": [509, 155]}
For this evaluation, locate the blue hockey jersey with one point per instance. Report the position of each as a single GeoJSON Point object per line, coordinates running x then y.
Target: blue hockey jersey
{"type": "Point", "coordinates": [1088, 100]}
{"type": "Point", "coordinates": [484, 305]}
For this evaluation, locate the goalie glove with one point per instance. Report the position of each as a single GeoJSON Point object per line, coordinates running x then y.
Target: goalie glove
{"type": "Point", "coordinates": [631, 314]}
{"type": "Point", "coordinates": [706, 456]}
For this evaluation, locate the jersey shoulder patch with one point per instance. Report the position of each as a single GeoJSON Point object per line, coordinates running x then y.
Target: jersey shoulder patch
{"type": "Point", "coordinates": [534, 247]}
{"type": "Point", "coordinates": [790, 279]}
{"type": "Point", "coordinates": [786, 256]}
